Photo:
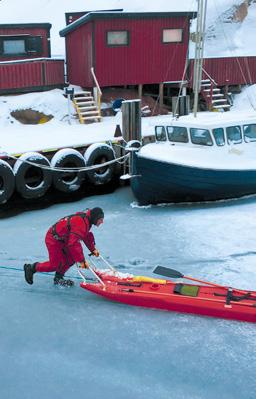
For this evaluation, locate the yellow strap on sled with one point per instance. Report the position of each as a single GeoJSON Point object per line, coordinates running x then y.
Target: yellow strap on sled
{"type": "Point", "coordinates": [145, 279]}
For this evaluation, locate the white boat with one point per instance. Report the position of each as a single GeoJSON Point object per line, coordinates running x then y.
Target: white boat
{"type": "Point", "coordinates": [201, 157]}
{"type": "Point", "coordinates": [207, 158]}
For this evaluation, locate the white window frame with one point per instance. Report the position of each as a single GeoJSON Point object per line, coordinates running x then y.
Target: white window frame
{"type": "Point", "coordinates": [114, 42]}
{"type": "Point", "coordinates": [179, 32]}
{"type": "Point", "coordinates": [16, 50]}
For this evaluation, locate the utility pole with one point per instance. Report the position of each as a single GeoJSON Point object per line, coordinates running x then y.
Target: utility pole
{"type": "Point", "coordinates": [199, 51]}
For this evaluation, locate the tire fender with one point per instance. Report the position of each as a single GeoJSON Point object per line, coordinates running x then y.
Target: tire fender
{"type": "Point", "coordinates": [7, 181]}
{"type": "Point", "coordinates": [32, 181]}
{"type": "Point", "coordinates": [133, 144]}
{"type": "Point", "coordinates": [94, 155]}
{"type": "Point", "coordinates": [67, 181]}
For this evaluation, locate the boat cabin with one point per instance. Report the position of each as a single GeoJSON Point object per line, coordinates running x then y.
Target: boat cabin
{"type": "Point", "coordinates": [207, 134]}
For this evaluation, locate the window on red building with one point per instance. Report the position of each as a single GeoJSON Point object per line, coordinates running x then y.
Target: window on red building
{"type": "Point", "coordinates": [118, 38]}
{"type": "Point", "coordinates": [172, 35]}
{"type": "Point", "coordinates": [23, 45]}
{"type": "Point", "coordinates": [11, 47]}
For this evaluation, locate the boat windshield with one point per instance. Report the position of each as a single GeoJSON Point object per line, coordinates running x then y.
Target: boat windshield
{"type": "Point", "coordinates": [201, 136]}
{"type": "Point", "coordinates": [249, 133]}
{"type": "Point", "coordinates": [234, 134]}
{"type": "Point", "coordinates": [160, 133]}
{"type": "Point", "coordinates": [177, 134]}
{"type": "Point", "coordinates": [219, 136]}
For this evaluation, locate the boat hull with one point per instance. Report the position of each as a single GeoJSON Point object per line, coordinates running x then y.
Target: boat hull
{"type": "Point", "coordinates": [210, 301]}
{"type": "Point", "coordinates": [163, 182]}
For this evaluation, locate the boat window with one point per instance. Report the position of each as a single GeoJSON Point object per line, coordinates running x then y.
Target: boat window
{"type": "Point", "coordinates": [200, 136]}
{"type": "Point", "coordinates": [177, 134]}
{"type": "Point", "coordinates": [160, 133]}
{"type": "Point", "coordinates": [234, 135]}
{"type": "Point", "coordinates": [249, 133]}
{"type": "Point", "coordinates": [219, 136]}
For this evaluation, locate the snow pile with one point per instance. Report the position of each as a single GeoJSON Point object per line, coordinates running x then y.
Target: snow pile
{"type": "Point", "coordinates": [226, 39]}
{"type": "Point", "coordinates": [246, 100]}
{"type": "Point", "coordinates": [54, 103]}
{"type": "Point", "coordinates": [50, 103]}
{"type": "Point", "coordinates": [70, 132]}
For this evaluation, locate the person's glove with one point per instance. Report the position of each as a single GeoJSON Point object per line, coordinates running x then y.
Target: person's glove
{"type": "Point", "coordinates": [96, 253]}
{"type": "Point", "coordinates": [84, 264]}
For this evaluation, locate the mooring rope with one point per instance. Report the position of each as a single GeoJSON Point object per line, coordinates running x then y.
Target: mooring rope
{"type": "Point", "coordinates": [120, 160]}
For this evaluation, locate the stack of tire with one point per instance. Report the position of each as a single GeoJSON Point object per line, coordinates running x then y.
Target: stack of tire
{"type": "Point", "coordinates": [33, 174]}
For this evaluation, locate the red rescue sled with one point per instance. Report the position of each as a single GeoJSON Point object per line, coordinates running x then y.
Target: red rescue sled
{"type": "Point", "coordinates": [207, 300]}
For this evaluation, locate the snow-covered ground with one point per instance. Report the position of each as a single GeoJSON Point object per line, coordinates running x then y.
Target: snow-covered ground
{"type": "Point", "coordinates": [230, 39]}
{"type": "Point", "coordinates": [16, 137]}
{"type": "Point", "coordinates": [61, 131]}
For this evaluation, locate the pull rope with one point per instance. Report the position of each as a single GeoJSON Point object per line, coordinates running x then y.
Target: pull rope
{"type": "Point", "coordinates": [43, 273]}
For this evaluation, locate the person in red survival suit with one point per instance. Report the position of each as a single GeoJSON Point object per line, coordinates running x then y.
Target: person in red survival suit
{"type": "Point", "coordinates": [63, 241]}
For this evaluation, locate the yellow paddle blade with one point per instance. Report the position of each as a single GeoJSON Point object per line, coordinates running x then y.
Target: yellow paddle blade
{"type": "Point", "coordinates": [149, 280]}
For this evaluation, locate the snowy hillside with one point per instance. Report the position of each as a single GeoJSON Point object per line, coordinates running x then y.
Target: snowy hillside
{"type": "Point", "coordinates": [223, 38]}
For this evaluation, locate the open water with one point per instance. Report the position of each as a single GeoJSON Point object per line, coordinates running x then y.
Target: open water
{"type": "Point", "coordinates": [66, 343]}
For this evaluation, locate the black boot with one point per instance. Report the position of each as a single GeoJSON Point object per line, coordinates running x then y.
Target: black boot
{"type": "Point", "coordinates": [29, 270]}
{"type": "Point", "coordinates": [60, 280]}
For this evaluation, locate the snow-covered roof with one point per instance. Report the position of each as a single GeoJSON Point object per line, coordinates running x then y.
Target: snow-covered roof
{"type": "Point", "coordinates": [46, 25]}
{"type": "Point", "coordinates": [107, 15]}
{"type": "Point", "coordinates": [208, 120]}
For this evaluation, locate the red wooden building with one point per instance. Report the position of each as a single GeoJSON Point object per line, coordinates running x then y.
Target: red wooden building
{"type": "Point", "coordinates": [22, 41]}
{"type": "Point", "coordinates": [25, 63]}
{"type": "Point", "coordinates": [73, 16]}
{"type": "Point", "coordinates": [229, 71]}
{"type": "Point", "coordinates": [37, 74]}
{"type": "Point", "coordinates": [127, 48]}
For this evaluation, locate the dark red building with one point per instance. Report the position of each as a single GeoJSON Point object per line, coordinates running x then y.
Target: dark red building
{"type": "Point", "coordinates": [127, 48]}
{"type": "Point", "coordinates": [25, 63]}
{"type": "Point", "coordinates": [22, 41]}
{"type": "Point", "coordinates": [73, 16]}
{"type": "Point", "coordinates": [228, 71]}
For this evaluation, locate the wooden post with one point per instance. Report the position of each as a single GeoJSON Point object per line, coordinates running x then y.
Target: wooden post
{"type": "Point", "coordinates": [161, 94]}
{"type": "Point", "coordinates": [140, 91]}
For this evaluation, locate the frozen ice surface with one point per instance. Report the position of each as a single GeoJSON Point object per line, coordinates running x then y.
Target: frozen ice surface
{"type": "Point", "coordinates": [66, 343]}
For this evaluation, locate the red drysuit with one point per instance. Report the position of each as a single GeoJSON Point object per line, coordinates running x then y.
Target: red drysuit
{"type": "Point", "coordinates": [63, 243]}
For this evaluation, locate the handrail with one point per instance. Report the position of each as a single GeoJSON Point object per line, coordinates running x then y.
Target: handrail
{"type": "Point", "coordinates": [208, 76]}
{"type": "Point", "coordinates": [95, 81]}
{"type": "Point", "coordinates": [99, 92]}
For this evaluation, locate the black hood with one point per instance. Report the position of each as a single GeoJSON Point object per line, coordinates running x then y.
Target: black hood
{"type": "Point", "coordinates": [96, 214]}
